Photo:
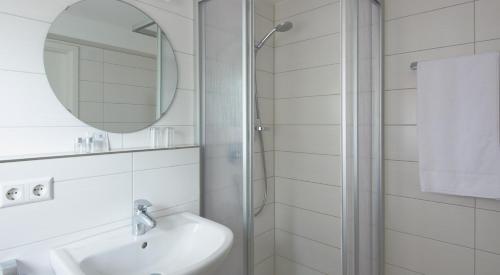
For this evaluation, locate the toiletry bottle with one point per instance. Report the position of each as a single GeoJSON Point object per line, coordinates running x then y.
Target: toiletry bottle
{"type": "Point", "coordinates": [89, 144]}
{"type": "Point", "coordinates": [79, 148]}
{"type": "Point", "coordinates": [155, 137]}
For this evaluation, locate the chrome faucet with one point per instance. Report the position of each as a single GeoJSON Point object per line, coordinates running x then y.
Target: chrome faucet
{"type": "Point", "coordinates": [142, 222]}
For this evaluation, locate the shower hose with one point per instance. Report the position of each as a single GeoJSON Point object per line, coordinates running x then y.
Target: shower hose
{"type": "Point", "coordinates": [260, 129]}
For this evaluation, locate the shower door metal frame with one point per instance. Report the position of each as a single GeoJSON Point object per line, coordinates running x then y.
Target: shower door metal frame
{"type": "Point", "coordinates": [247, 82]}
{"type": "Point", "coordinates": [199, 78]}
{"type": "Point", "coordinates": [381, 204]}
{"type": "Point", "coordinates": [350, 262]}
{"type": "Point", "coordinates": [249, 129]}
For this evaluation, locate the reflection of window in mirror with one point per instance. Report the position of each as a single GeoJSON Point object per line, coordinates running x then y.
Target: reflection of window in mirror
{"type": "Point", "coordinates": [110, 65]}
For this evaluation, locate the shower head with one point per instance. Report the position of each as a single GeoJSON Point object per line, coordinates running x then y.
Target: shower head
{"type": "Point", "coordinates": [281, 27]}
{"type": "Point", "coordinates": [284, 27]}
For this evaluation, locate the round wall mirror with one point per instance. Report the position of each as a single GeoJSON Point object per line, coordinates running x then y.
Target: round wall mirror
{"type": "Point", "coordinates": [110, 65]}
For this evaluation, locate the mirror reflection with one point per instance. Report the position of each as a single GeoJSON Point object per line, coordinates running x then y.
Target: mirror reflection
{"type": "Point", "coordinates": [110, 65]}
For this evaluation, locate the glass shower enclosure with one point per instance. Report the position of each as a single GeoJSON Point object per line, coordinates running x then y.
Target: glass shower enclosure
{"type": "Point", "coordinates": [224, 81]}
{"type": "Point", "coordinates": [225, 42]}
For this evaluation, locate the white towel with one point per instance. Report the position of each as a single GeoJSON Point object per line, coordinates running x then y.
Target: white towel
{"type": "Point", "coordinates": [459, 125]}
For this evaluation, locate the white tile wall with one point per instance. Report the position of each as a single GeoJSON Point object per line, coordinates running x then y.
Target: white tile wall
{"type": "Point", "coordinates": [264, 223]}
{"type": "Point", "coordinates": [449, 223]}
{"type": "Point", "coordinates": [265, 82]}
{"type": "Point", "coordinates": [395, 270]}
{"type": "Point", "coordinates": [425, 31]}
{"type": "Point", "coordinates": [30, 115]}
{"type": "Point", "coordinates": [313, 139]}
{"type": "Point", "coordinates": [315, 255]}
{"type": "Point", "coordinates": [401, 107]}
{"type": "Point", "coordinates": [93, 194]}
{"type": "Point", "coordinates": [264, 247]}
{"type": "Point", "coordinates": [308, 110]}
{"type": "Point", "coordinates": [316, 168]}
{"type": "Point", "coordinates": [42, 11]}
{"type": "Point", "coordinates": [310, 196]}
{"type": "Point", "coordinates": [400, 8]}
{"type": "Point", "coordinates": [309, 224]}
{"type": "Point", "coordinates": [307, 138]}
{"type": "Point", "coordinates": [486, 14]}
{"type": "Point", "coordinates": [428, 256]}
{"type": "Point", "coordinates": [487, 223]}
{"type": "Point", "coordinates": [78, 205]}
{"type": "Point", "coordinates": [308, 82]}
{"type": "Point", "coordinates": [265, 268]}
{"type": "Point", "coordinates": [487, 263]}
{"type": "Point", "coordinates": [400, 141]}
{"type": "Point", "coordinates": [286, 266]}
{"type": "Point", "coordinates": [19, 51]}
{"type": "Point", "coordinates": [31, 90]}
{"type": "Point", "coordinates": [290, 8]}
{"type": "Point", "coordinates": [427, 233]}
{"type": "Point", "coordinates": [306, 54]}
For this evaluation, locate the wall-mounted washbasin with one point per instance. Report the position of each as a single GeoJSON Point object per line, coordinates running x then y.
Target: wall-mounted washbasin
{"type": "Point", "coordinates": [182, 244]}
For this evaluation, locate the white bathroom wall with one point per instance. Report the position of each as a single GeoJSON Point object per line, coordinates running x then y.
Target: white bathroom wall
{"type": "Point", "coordinates": [429, 233]}
{"type": "Point", "coordinates": [307, 138]}
{"type": "Point", "coordinates": [92, 195]}
{"type": "Point", "coordinates": [32, 121]}
{"type": "Point", "coordinates": [264, 223]}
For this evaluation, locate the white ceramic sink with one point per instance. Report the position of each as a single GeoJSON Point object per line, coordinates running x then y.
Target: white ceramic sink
{"type": "Point", "coordinates": [182, 244]}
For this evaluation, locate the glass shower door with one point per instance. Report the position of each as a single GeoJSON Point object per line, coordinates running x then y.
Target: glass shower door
{"type": "Point", "coordinates": [224, 125]}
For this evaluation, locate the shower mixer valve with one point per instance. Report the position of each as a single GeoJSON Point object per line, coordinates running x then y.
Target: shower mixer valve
{"type": "Point", "coordinates": [260, 128]}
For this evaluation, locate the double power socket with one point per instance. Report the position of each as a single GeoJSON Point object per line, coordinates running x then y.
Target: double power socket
{"type": "Point", "coordinates": [26, 191]}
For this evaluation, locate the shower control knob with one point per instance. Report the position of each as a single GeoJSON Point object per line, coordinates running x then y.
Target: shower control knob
{"type": "Point", "coordinates": [259, 128]}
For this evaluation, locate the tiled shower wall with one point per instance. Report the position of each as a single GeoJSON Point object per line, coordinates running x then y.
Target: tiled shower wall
{"type": "Point", "coordinates": [264, 223]}
{"type": "Point", "coordinates": [307, 138]}
{"type": "Point", "coordinates": [428, 233]}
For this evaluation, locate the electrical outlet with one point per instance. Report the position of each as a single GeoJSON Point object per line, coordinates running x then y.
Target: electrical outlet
{"type": "Point", "coordinates": [40, 190]}
{"type": "Point", "coordinates": [12, 194]}
{"type": "Point", "coordinates": [26, 191]}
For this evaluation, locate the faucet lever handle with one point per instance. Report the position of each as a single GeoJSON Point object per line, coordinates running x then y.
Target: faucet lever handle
{"type": "Point", "coordinates": [142, 205]}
